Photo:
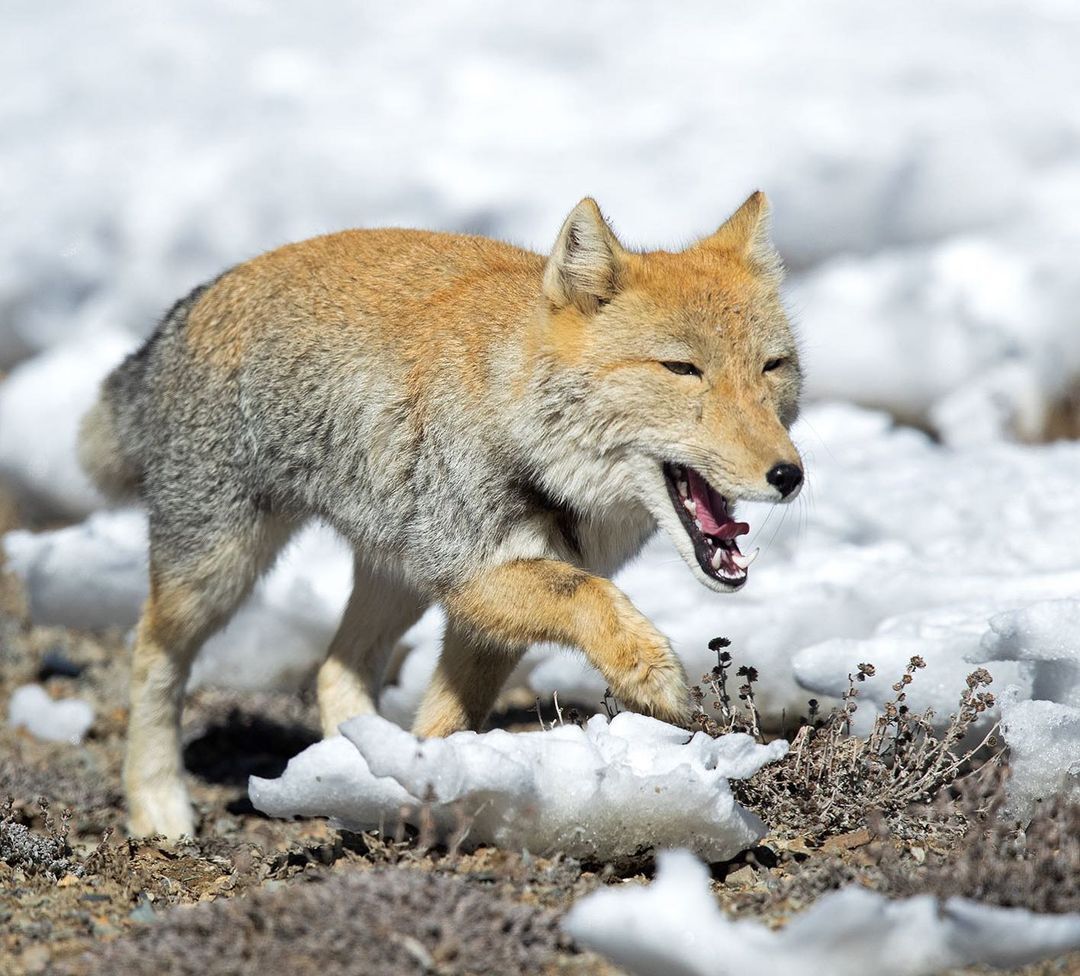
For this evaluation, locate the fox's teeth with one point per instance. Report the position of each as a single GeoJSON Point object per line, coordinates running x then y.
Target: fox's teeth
{"type": "Point", "coordinates": [684, 488]}
{"type": "Point", "coordinates": [743, 562]}
{"type": "Point", "coordinates": [690, 505]}
{"type": "Point", "coordinates": [717, 558]}
{"type": "Point", "coordinates": [698, 524]}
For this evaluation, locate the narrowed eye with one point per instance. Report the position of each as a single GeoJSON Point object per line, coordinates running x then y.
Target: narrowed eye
{"type": "Point", "coordinates": [773, 364]}
{"type": "Point", "coordinates": [683, 369]}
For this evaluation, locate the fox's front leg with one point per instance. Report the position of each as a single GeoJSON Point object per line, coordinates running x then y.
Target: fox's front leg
{"type": "Point", "coordinates": [529, 601]}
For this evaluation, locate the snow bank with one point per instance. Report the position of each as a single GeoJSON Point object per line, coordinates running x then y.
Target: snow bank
{"type": "Point", "coordinates": [967, 334]}
{"type": "Point", "coordinates": [1046, 634]}
{"type": "Point", "coordinates": [89, 576]}
{"type": "Point", "coordinates": [1043, 734]}
{"type": "Point", "coordinates": [605, 790]}
{"type": "Point", "coordinates": [1044, 752]}
{"type": "Point", "coordinates": [66, 720]}
{"type": "Point", "coordinates": [1033, 651]}
{"type": "Point", "coordinates": [674, 927]}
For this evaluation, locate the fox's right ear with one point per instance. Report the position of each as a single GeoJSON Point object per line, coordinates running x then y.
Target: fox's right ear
{"type": "Point", "coordinates": [586, 264]}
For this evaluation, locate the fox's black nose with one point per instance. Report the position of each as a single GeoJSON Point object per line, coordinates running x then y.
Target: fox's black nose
{"type": "Point", "coordinates": [784, 477]}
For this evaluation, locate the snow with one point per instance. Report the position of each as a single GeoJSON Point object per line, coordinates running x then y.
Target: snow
{"type": "Point", "coordinates": [91, 575]}
{"type": "Point", "coordinates": [973, 331]}
{"type": "Point", "coordinates": [602, 791]}
{"type": "Point", "coordinates": [1044, 752]}
{"type": "Point", "coordinates": [674, 927]}
{"type": "Point", "coordinates": [66, 720]}
{"type": "Point", "coordinates": [1046, 633]}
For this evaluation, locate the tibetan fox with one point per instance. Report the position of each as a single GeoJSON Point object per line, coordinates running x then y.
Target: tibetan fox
{"type": "Point", "coordinates": [490, 429]}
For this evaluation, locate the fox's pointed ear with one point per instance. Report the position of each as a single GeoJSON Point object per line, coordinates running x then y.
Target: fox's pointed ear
{"type": "Point", "coordinates": [585, 266]}
{"type": "Point", "coordinates": [746, 233]}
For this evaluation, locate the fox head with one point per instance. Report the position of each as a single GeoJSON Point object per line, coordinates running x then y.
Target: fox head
{"type": "Point", "coordinates": [683, 373]}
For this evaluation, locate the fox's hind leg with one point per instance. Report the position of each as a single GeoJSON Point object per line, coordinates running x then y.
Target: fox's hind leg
{"type": "Point", "coordinates": [198, 576]}
{"type": "Point", "coordinates": [378, 613]}
{"type": "Point", "coordinates": [467, 680]}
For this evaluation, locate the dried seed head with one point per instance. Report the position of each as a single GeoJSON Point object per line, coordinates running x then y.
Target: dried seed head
{"type": "Point", "coordinates": [979, 677]}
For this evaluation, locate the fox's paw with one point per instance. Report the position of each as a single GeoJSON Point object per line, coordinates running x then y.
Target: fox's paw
{"type": "Point", "coordinates": [163, 809]}
{"type": "Point", "coordinates": [655, 683]}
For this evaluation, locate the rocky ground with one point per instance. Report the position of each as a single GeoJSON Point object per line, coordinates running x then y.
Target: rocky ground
{"type": "Point", "coordinates": [252, 895]}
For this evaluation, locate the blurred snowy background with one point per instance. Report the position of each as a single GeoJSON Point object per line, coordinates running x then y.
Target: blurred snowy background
{"type": "Point", "coordinates": [923, 161]}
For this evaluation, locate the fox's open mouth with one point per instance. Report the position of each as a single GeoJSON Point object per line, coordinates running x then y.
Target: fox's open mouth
{"type": "Point", "coordinates": [705, 515]}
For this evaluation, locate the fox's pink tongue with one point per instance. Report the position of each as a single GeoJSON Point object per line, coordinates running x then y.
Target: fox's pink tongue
{"type": "Point", "coordinates": [706, 512]}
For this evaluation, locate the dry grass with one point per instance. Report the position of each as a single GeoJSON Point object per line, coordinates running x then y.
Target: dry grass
{"type": "Point", "coordinates": [997, 860]}
{"type": "Point", "coordinates": [47, 855]}
{"type": "Point", "coordinates": [831, 781]}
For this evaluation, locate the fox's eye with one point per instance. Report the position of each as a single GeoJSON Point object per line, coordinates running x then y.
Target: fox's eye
{"type": "Point", "coordinates": [773, 364]}
{"type": "Point", "coordinates": [683, 369]}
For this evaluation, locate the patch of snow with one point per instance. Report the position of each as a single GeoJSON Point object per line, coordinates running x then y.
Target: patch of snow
{"type": "Point", "coordinates": [674, 927]}
{"type": "Point", "coordinates": [1044, 752]}
{"type": "Point", "coordinates": [1033, 652]}
{"type": "Point", "coordinates": [401, 697]}
{"type": "Point", "coordinates": [949, 640]}
{"type": "Point", "coordinates": [331, 779]}
{"type": "Point", "coordinates": [971, 329]}
{"type": "Point", "coordinates": [89, 576]}
{"type": "Point", "coordinates": [605, 790]}
{"type": "Point", "coordinates": [63, 720]}
{"type": "Point", "coordinates": [1047, 634]}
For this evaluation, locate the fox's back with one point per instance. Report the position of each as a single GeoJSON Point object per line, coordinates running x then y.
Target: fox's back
{"type": "Point", "coordinates": [403, 296]}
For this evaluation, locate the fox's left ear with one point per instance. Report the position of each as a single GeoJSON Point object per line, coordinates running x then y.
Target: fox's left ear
{"type": "Point", "coordinates": [586, 263]}
{"type": "Point", "coordinates": [746, 233]}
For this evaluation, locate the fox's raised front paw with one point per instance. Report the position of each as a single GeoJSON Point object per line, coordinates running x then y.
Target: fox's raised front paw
{"type": "Point", "coordinates": [656, 684]}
